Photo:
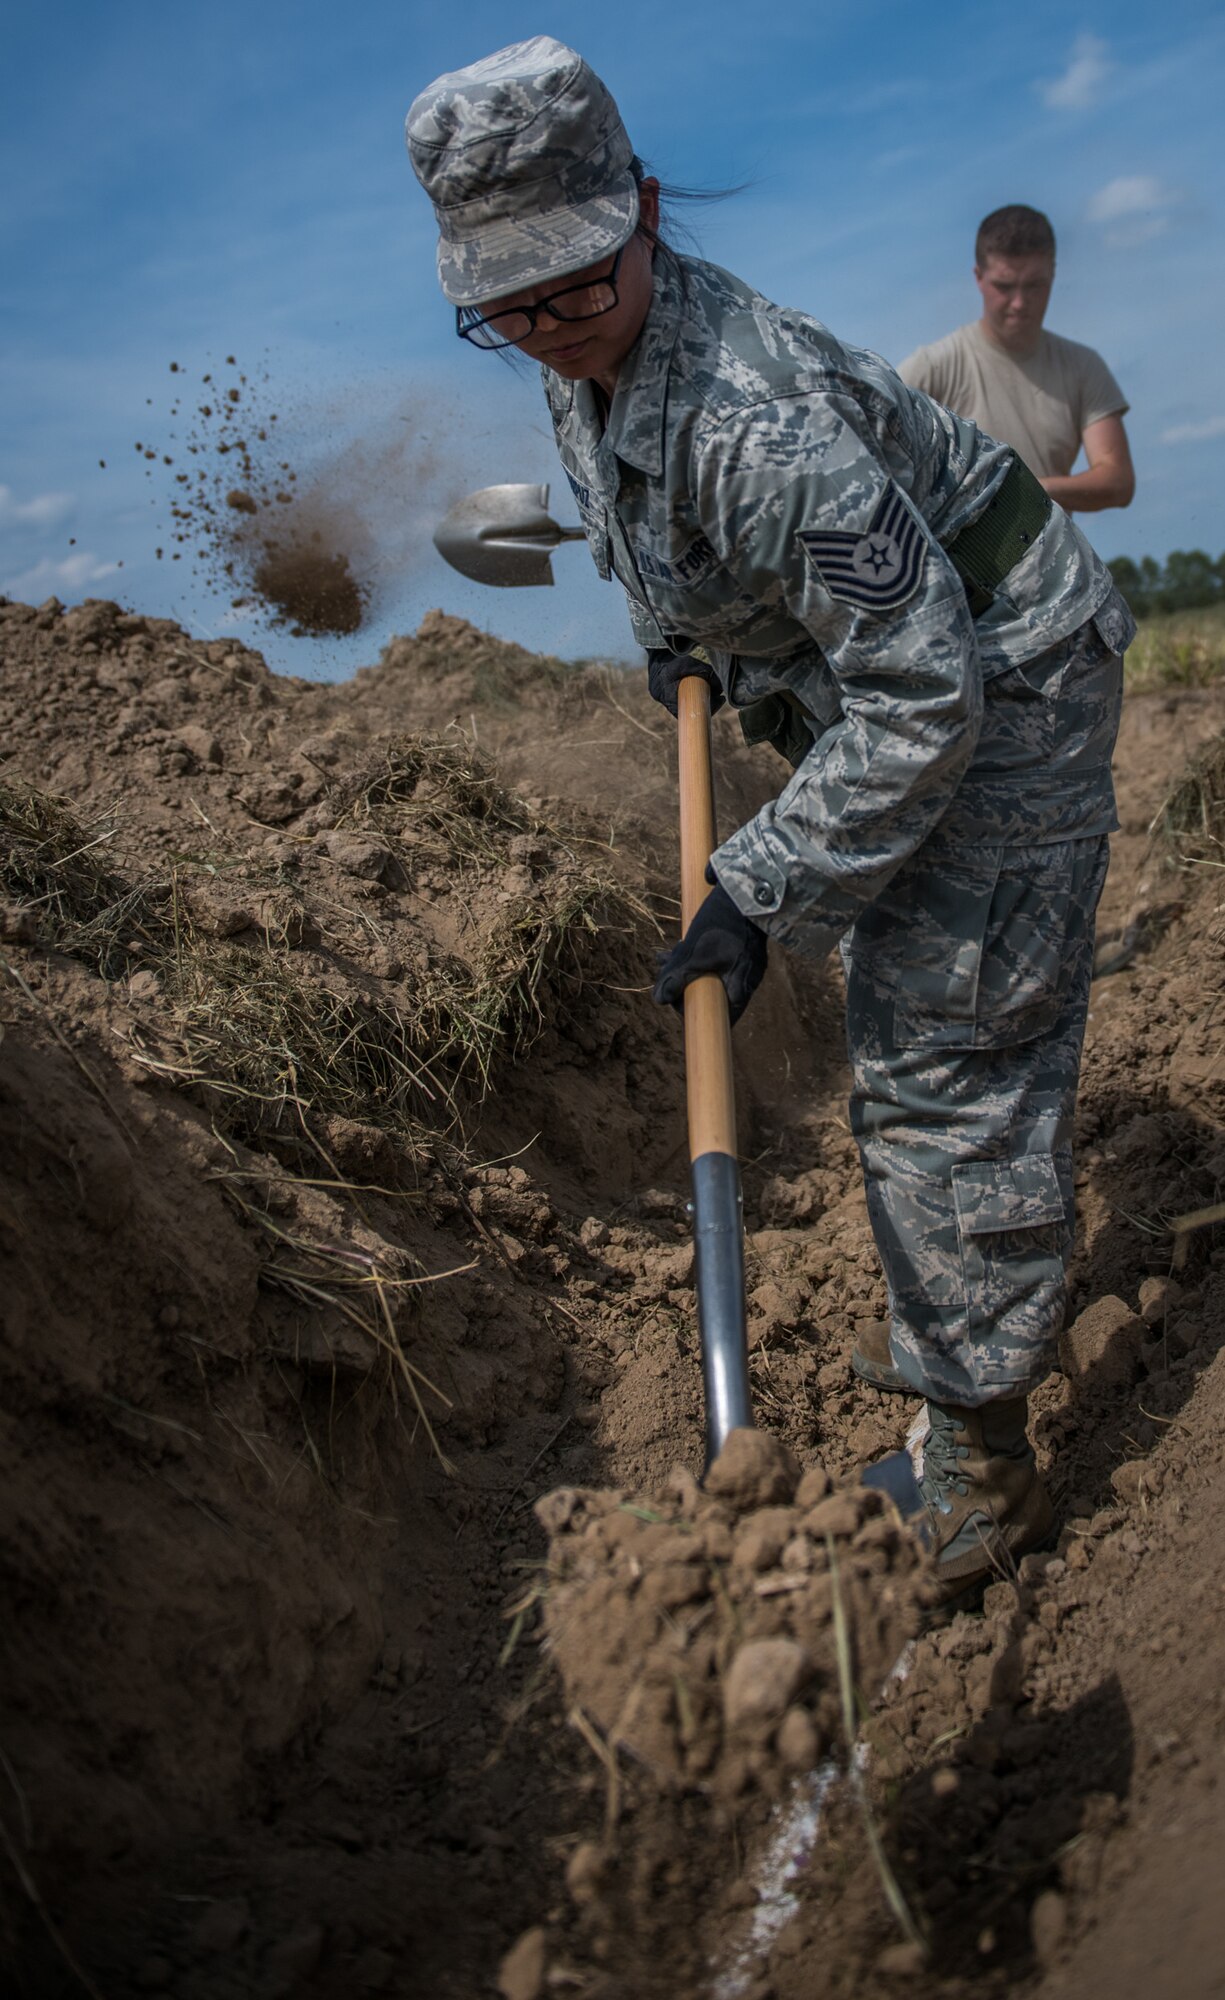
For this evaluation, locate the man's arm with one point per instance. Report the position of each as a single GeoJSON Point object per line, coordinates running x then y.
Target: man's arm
{"type": "Point", "coordinates": [1110, 480]}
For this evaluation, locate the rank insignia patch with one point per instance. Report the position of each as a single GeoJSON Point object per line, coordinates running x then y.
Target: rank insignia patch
{"type": "Point", "coordinates": [877, 569]}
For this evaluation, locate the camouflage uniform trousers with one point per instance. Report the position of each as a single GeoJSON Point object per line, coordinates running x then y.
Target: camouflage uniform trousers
{"type": "Point", "coordinates": [967, 993]}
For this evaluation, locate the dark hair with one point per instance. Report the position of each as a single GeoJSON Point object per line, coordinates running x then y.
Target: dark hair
{"type": "Point", "coordinates": [1015, 231]}
{"type": "Point", "coordinates": [669, 196]}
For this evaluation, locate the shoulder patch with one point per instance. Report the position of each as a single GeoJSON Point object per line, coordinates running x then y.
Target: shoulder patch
{"type": "Point", "coordinates": [877, 569]}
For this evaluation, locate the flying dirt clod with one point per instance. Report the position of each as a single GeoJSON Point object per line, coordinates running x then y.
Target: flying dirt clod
{"type": "Point", "coordinates": [275, 541]}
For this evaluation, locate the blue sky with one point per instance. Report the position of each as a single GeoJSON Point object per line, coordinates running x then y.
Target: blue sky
{"type": "Point", "coordinates": [186, 184]}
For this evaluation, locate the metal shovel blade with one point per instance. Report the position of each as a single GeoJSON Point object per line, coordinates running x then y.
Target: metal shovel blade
{"type": "Point", "coordinates": [502, 535]}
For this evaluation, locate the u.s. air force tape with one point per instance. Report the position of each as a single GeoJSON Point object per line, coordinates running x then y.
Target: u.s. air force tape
{"type": "Point", "coordinates": [876, 568]}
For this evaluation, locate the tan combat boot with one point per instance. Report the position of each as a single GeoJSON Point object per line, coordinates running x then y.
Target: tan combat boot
{"type": "Point", "coordinates": [872, 1359]}
{"type": "Point", "coordinates": [986, 1505]}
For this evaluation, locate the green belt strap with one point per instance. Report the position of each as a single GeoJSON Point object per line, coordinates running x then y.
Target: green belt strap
{"type": "Point", "coordinates": [983, 553]}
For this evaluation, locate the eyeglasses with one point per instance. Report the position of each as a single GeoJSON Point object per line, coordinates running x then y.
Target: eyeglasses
{"type": "Point", "coordinates": [573, 302]}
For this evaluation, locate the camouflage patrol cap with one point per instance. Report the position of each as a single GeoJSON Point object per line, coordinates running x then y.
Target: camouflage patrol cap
{"type": "Point", "coordinates": [527, 163]}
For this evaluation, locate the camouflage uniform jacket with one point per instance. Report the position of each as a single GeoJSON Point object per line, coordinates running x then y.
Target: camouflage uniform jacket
{"type": "Point", "coordinates": [782, 500]}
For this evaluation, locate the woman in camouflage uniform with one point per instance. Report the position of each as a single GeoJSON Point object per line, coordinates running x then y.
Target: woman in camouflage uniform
{"type": "Point", "coordinates": [891, 598]}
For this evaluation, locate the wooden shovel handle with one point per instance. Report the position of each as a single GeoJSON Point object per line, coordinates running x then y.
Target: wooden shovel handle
{"type": "Point", "coordinates": [708, 1042]}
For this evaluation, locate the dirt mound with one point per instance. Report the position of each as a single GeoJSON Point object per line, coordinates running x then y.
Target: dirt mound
{"type": "Point", "coordinates": [343, 1220]}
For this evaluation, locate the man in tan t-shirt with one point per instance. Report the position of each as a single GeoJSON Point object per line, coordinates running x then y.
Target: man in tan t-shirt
{"type": "Point", "coordinates": [1045, 396]}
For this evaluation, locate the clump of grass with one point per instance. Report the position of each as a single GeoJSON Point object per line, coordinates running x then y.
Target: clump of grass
{"type": "Point", "coordinates": [263, 1037]}
{"type": "Point", "coordinates": [273, 1043]}
{"type": "Point", "coordinates": [440, 802]}
{"type": "Point", "coordinates": [58, 869]}
{"type": "Point", "coordinates": [498, 1011]}
{"type": "Point", "coordinates": [49, 858]}
{"type": "Point", "coordinates": [257, 1037]}
{"type": "Point", "coordinates": [1184, 649]}
{"type": "Point", "coordinates": [1192, 819]}
{"type": "Point", "coordinates": [443, 792]}
{"type": "Point", "coordinates": [354, 1283]}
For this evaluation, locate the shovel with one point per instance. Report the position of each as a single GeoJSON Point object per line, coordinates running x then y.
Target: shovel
{"type": "Point", "coordinates": [504, 535]}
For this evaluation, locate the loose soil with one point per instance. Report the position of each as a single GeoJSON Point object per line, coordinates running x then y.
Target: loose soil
{"type": "Point", "coordinates": [367, 1629]}
{"type": "Point", "coordinates": [289, 544]}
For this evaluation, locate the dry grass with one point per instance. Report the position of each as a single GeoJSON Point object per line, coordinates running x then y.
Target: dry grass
{"type": "Point", "coordinates": [1192, 819]}
{"type": "Point", "coordinates": [439, 802]}
{"type": "Point", "coordinates": [57, 869]}
{"type": "Point", "coordinates": [274, 1043]}
{"type": "Point", "coordinates": [1183, 649]}
{"type": "Point", "coordinates": [442, 791]}
{"type": "Point", "coordinates": [355, 1283]}
{"type": "Point", "coordinates": [265, 1039]}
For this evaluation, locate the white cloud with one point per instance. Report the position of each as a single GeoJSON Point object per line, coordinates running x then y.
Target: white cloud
{"type": "Point", "coordinates": [45, 510]}
{"type": "Point", "coordinates": [48, 578]}
{"type": "Point", "coordinates": [1079, 86]}
{"type": "Point", "coordinates": [1134, 208]}
{"type": "Point", "coordinates": [1212, 427]}
{"type": "Point", "coordinates": [1131, 194]}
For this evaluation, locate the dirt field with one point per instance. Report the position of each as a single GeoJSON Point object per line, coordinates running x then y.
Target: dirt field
{"type": "Point", "coordinates": [344, 1259]}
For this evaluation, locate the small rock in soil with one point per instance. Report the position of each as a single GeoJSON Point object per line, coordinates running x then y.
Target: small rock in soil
{"type": "Point", "coordinates": [901, 1961]}
{"type": "Point", "coordinates": [584, 1871]}
{"type": "Point", "coordinates": [1133, 1481]}
{"type": "Point", "coordinates": [799, 1745]}
{"type": "Point", "coordinates": [753, 1470]}
{"type": "Point", "coordinates": [1157, 1295]}
{"type": "Point", "coordinates": [1048, 1921]}
{"type": "Point", "coordinates": [1101, 1349]}
{"type": "Point", "coordinates": [521, 1974]}
{"type": "Point", "coordinates": [761, 1682]}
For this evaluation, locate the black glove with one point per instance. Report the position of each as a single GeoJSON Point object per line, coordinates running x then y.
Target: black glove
{"type": "Point", "coordinates": [666, 671]}
{"type": "Point", "coordinates": [720, 939]}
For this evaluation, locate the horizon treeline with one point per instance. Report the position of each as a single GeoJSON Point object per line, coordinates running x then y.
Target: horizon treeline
{"type": "Point", "coordinates": [1188, 580]}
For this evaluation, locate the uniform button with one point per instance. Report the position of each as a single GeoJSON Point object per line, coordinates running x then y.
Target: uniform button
{"type": "Point", "coordinates": [763, 893]}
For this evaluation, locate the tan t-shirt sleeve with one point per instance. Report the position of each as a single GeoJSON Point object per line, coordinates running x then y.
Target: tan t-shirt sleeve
{"type": "Point", "coordinates": [1100, 394]}
{"type": "Point", "coordinates": [921, 370]}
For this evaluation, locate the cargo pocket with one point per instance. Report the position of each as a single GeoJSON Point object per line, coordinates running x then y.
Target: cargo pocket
{"type": "Point", "coordinates": [1019, 730]}
{"type": "Point", "coordinates": [1014, 1233]}
{"type": "Point", "coordinates": [981, 950]}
